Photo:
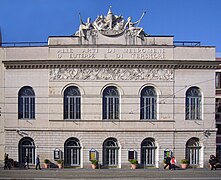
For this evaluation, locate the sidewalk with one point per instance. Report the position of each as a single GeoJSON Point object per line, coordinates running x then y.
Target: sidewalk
{"type": "Point", "coordinates": [70, 173]}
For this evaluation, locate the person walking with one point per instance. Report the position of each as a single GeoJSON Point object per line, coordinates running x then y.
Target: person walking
{"type": "Point", "coordinates": [167, 162]}
{"type": "Point", "coordinates": [38, 165]}
{"type": "Point", "coordinates": [6, 161]}
{"type": "Point", "coordinates": [26, 162]}
{"type": "Point", "coordinates": [173, 163]}
{"type": "Point", "coordinates": [212, 161]}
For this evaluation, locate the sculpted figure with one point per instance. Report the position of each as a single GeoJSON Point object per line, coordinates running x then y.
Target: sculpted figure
{"type": "Point", "coordinates": [131, 25]}
{"type": "Point", "coordinates": [84, 27]}
{"type": "Point", "coordinates": [110, 25]}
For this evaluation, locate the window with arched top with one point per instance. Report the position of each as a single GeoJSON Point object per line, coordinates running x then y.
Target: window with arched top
{"type": "Point", "coordinates": [72, 103]}
{"type": "Point", "coordinates": [26, 148]}
{"type": "Point", "coordinates": [148, 103]}
{"type": "Point", "coordinates": [148, 149]}
{"type": "Point", "coordinates": [193, 104]}
{"type": "Point", "coordinates": [111, 103]}
{"type": "Point", "coordinates": [193, 151]}
{"type": "Point", "coordinates": [110, 152]}
{"type": "Point", "coordinates": [72, 152]}
{"type": "Point", "coordinates": [26, 103]}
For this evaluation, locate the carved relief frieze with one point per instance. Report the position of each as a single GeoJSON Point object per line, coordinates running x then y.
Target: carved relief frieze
{"type": "Point", "coordinates": [118, 74]}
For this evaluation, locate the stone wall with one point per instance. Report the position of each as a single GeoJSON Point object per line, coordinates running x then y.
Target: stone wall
{"type": "Point", "coordinates": [47, 141]}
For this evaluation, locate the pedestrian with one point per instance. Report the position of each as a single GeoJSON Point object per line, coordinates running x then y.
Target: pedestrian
{"type": "Point", "coordinates": [173, 163]}
{"type": "Point", "coordinates": [5, 160]}
{"type": "Point", "coordinates": [212, 161]}
{"type": "Point", "coordinates": [26, 162]}
{"type": "Point", "coordinates": [167, 162]}
{"type": "Point", "coordinates": [7, 163]}
{"type": "Point", "coordinates": [38, 165]}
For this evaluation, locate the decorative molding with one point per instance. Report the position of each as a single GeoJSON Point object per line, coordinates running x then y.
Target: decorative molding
{"type": "Point", "coordinates": [62, 74]}
{"type": "Point", "coordinates": [167, 64]}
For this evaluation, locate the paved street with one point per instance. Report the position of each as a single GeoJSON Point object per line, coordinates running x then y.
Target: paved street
{"type": "Point", "coordinates": [155, 174]}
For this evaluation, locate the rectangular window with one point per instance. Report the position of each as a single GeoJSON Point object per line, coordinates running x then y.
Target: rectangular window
{"type": "Point", "coordinates": [148, 108]}
{"type": "Point", "coordinates": [193, 108]}
{"type": "Point", "coordinates": [218, 80]}
{"type": "Point", "coordinates": [72, 108]}
{"type": "Point", "coordinates": [111, 108]}
{"type": "Point", "coordinates": [218, 126]}
{"type": "Point", "coordinates": [27, 108]}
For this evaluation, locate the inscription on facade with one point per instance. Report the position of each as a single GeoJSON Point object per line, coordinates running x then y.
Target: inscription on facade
{"type": "Point", "coordinates": [62, 74]}
{"type": "Point", "coordinates": [112, 53]}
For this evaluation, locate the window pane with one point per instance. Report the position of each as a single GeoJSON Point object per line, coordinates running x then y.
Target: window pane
{"type": "Point", "coordinates": [192, 151]}
{"type": "Point", "coordinates": [72, 152]}
{"type": "Point", "coordinates": [26, 103]}
{"type": "Point", "coordinates": [110, 152]}
{"type": "Point", "coordinates": [72, 103]}
{"type": "Point", "coordinates": [110, 103]}
{"type": "Point", "coordinates": [26, 148]}
{"type": "Point", "coordinates": [148, 152]}
{"type": "Point", "coordinates": [148, 104]}
{"type": "Point", "coordinates": [193, 104]}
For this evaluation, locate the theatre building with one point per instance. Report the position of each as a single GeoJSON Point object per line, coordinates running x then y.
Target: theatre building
{"type": "Point", "coordinates": [109, 92]}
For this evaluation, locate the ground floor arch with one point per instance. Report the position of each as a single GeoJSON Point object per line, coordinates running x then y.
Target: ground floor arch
{"type": "Point", "coordinates": [72, 152]}
{"type": "Point", "coordinates": [111, 152]}
{"type": "Point", "coordinates": [26, 147]}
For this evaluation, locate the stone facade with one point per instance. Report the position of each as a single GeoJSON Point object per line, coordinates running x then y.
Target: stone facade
{"type": "Point", "coordinates": [92, 62]}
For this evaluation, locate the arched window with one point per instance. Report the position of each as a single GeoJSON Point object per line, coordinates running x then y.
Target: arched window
{"type": "Point", "coordinates": [193, 151]}
{"type": "Point", "coordinates": [72, 103]}
{"type": "Point", "coordinates": [26, 103]}
{"type": "Point", "coordinates": [110, 152]}
{"type": "Point", "coordinates": [72, 152]}
{"type": "Point", "coordinates": [193, 104]}
{"type": "Point", "coordinates": [111, 103]}
{"type": "Point", "coordinates": [26, 147]}
{"type": "Point", "coordinates": [148, 152]}
{"type": "Point", "coordinates": [148, 105]}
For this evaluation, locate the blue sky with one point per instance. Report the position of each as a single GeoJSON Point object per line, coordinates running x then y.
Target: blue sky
{"type": "Point", "coordinates": [187, 20]}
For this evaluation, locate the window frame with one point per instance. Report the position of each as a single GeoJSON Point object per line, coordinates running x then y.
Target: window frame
{"type": "Point", "coordinates": [218, 80]}
{"type": "Point", "coordinates": [148, 103]}
{"type": "Point", "coordinates": [193, 104]}
{"type": "Point", "coordinates": [193, 151]}
{"type": "Point", "coordinates": [26, 103]}
{"type": "Point", "coordinates": [72, 152]}
{"type": "Point", "coordinates": [148, 152]}
{"type": "Point", "coordinates": [26, 147]}
{"type": "Point", "coordinates": [110, 152]}
{"type": "Point", "coordinates": [111, 104]}
{"type": "Point", "coordinates": [72, 103]}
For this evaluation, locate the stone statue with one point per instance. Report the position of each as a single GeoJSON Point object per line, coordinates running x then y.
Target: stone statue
{"type": "Point", "coordinates": [131, 25]}
{"type": "Point", "coordinates": [111, 25]}
{"type": "Point", "coordinates": [84, 27]}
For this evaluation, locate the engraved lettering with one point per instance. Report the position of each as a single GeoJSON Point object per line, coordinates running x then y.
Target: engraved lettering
{"type": "Point", "coordinates": [107, 53]}
{"type": "Point", "coordinates": [110, 50]}
{"type": "Point", "coordinates": [59, 55]}
{"type": "Point", "coordinates": [90, 50]}
{"type": "Point", "coordinates": [119, 56]}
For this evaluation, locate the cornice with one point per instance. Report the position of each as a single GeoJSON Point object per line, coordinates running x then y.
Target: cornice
{"type": "Point", "coordinates": [109, 130]}
{"type": "Point", "coordinates": [171, 64]}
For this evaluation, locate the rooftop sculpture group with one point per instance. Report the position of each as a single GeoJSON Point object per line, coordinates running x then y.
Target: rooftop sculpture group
{"type": "Point", "coordinates": [111, 25]}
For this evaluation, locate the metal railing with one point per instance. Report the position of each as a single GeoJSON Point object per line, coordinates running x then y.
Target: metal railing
{"type": "Point", "coordinates": [19, 44]}
{"type": "Point", "coordinates": [186, 43]}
